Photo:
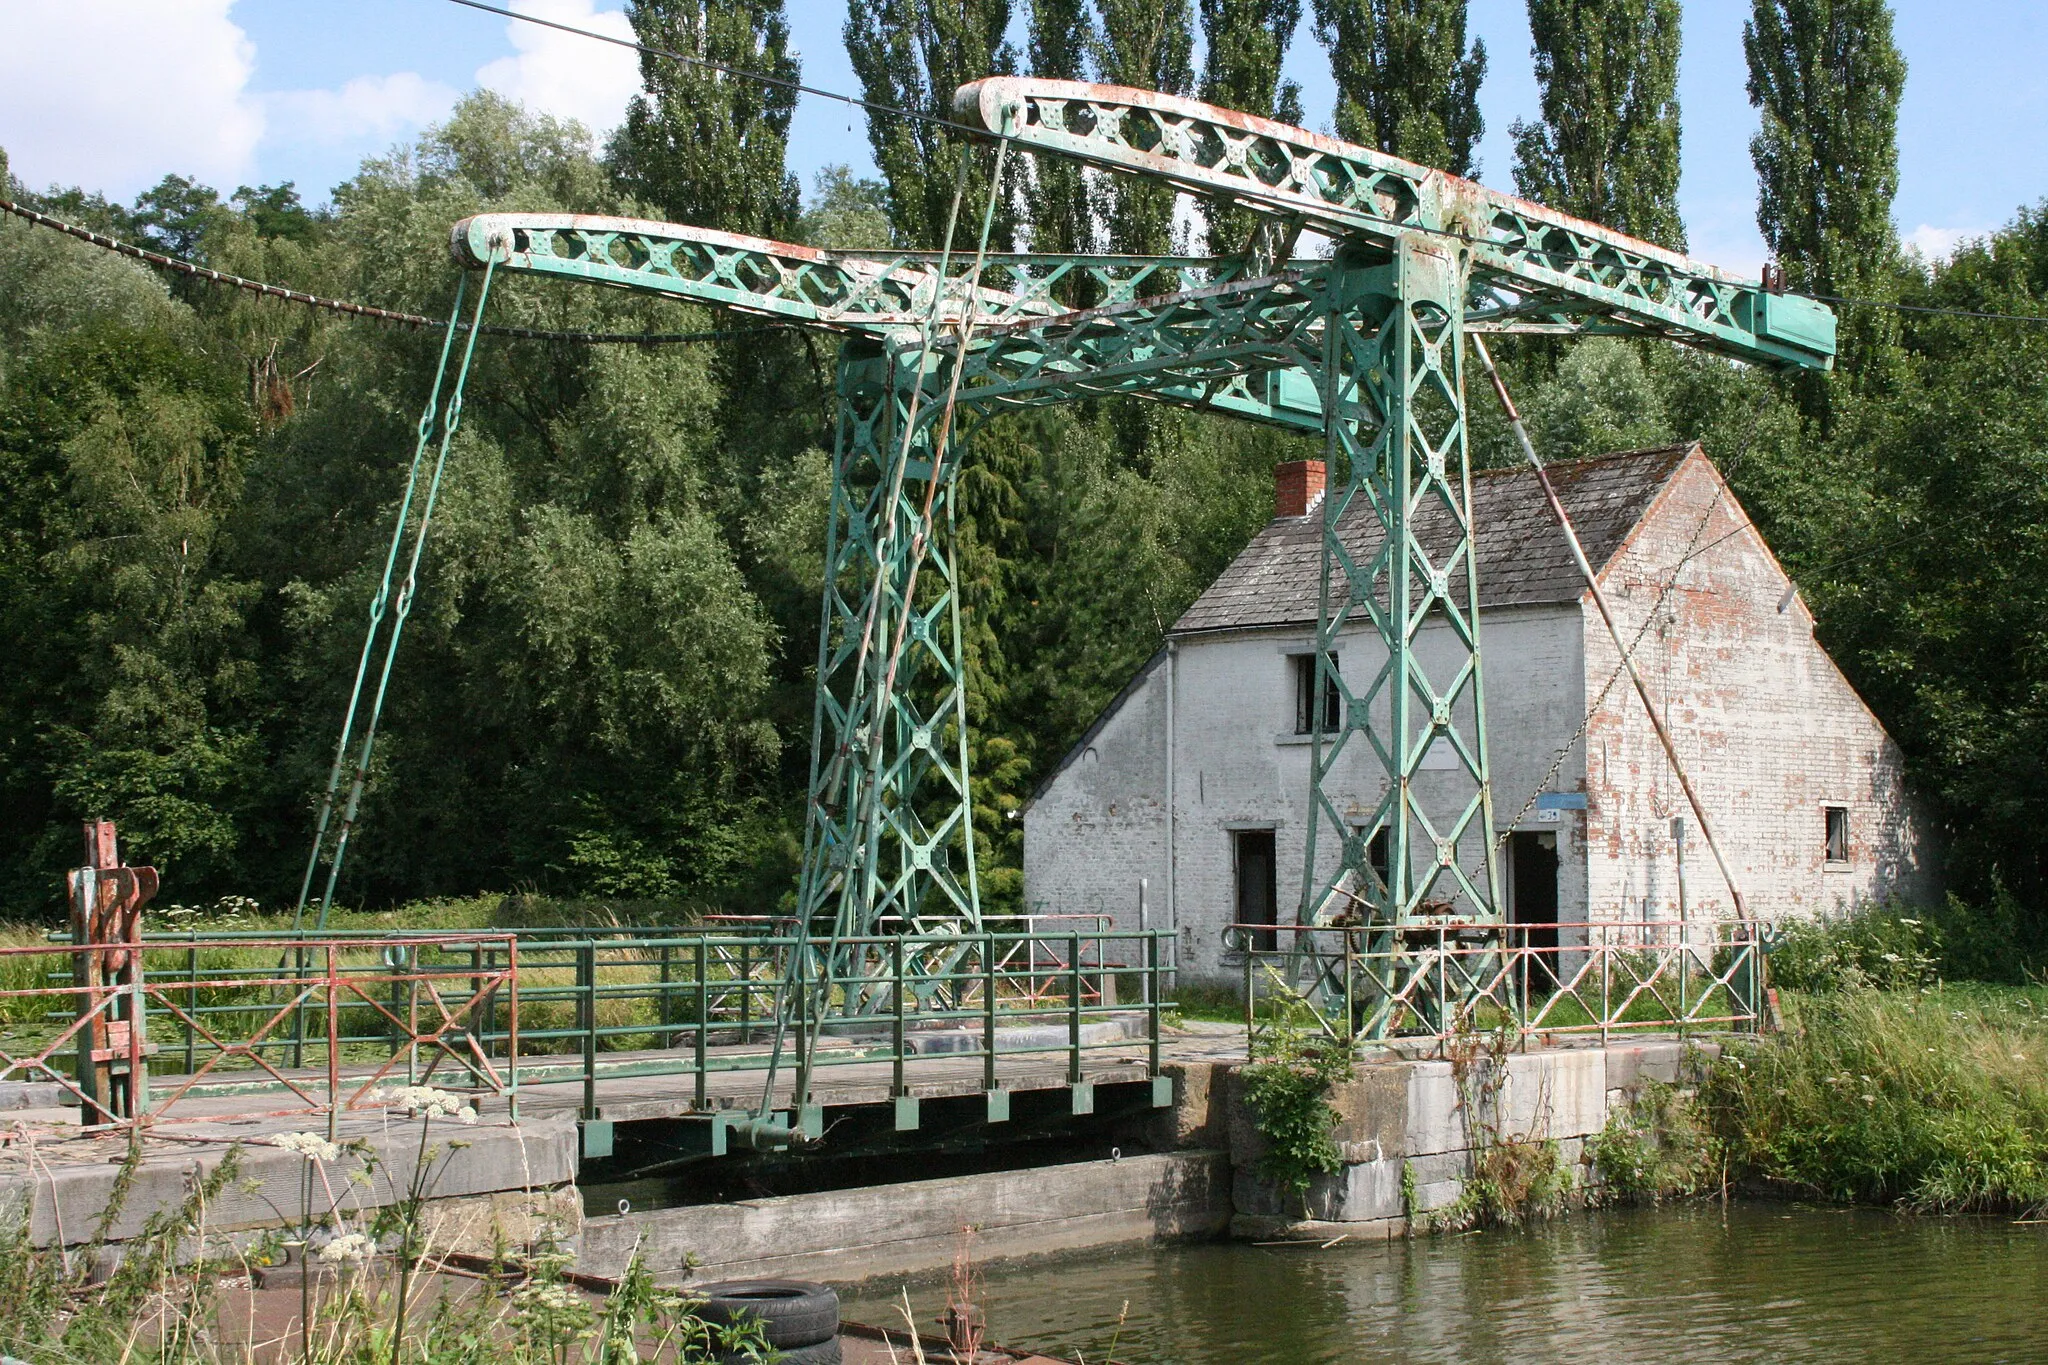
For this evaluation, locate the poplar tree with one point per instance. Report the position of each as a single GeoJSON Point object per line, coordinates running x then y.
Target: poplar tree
{"type": "Point", "coordinates": [1148, 44]}
{"type": "Point", "coordinates": [1246, 42]}
{"type": "Point", "coordinates": [1407, 82]}
{"type": "Point", "coordinates": [913, 55]}
{"type": "Point", "coordinates": [1058, 202]}
{"type": "Point", "coordinates": [1607, 146]}
{"type": "Point", "coordinates": [702, 146]}
{"type": "Point", "coordinates": [1826, 77]}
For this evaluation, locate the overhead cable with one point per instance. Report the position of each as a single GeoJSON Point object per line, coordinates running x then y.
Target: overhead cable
{"type": "Point", "coordinates": [361, 310]}
{"type": "Point", "coordinates": [780, 82]}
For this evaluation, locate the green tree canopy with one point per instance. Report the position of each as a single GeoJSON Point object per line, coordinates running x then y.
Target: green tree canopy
{"type": "Point", "coordinates": [1407, 81]}
{"type": "Point", "coordinates": [1826, 78]}
{"type": "Point", "coordinates": [702, 146]}
{"type": "Point", "coordinates": [1246, 41]}
{"type": "Point", "coordinates": [1606, 147]}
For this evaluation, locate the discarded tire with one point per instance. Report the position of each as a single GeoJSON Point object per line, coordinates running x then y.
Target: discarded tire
{"type": "Point", "coordinates": [817, 1353]}
{"type": "Point", "coordinates": [792, 1313]}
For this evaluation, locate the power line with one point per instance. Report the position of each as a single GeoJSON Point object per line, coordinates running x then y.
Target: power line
{"type": "Point", "coordinates": [361, 310]}
{"type": "Point", "coordinates": [779, 82]}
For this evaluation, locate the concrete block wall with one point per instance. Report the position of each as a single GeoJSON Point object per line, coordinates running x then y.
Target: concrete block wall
{"type": "Point", "coordinates": [1412, 1123]}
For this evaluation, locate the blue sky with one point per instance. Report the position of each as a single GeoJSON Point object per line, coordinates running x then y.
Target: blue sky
{"type": "Point", "coordinates": [113, 94]}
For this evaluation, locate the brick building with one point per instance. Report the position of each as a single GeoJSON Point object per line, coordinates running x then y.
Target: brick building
{"type": "Point", "coordinates": [1195, 781]}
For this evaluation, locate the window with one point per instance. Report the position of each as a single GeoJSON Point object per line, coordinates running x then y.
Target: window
{"type": "Point", "coordinates": [1837, 833]}
{"type": "Point", "coordinates": [1309, 690]}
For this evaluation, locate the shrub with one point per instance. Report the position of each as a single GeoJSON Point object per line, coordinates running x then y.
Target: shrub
{"type": "Point", "coordinates": [1289, 1094]}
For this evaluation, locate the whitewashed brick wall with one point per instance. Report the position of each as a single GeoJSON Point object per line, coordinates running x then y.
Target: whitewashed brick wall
{"type": "Point", "coordinates": [1768, 728]}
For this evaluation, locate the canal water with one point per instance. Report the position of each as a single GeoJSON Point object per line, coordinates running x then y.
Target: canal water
{"type": "Point", "coordinates": [1749, 1283]}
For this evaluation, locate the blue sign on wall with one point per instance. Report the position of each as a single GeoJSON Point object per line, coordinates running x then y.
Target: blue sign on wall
{"type": "Point", "coordinates": [1561, 801]}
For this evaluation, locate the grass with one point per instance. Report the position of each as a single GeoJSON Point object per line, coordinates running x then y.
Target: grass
{"type": "Point", "coordinates": [1933, 1100]}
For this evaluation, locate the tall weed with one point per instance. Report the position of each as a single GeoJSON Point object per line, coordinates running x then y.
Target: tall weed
{"type": "Point", "coordinates": [1933, 1100]}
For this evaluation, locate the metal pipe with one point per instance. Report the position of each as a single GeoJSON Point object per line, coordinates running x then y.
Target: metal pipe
{"type": "Point", "coordinates": [1599, 595]}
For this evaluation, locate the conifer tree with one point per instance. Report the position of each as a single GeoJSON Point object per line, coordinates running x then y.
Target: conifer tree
{"type": "Point", "coordinates": [1607, 145]}
{"type": "Point", "coordinates": [699, 145]}
{"type": "Point", "coordinates": [1407, 83]}
{"type": "Point", "coordinates": [1247, 41]}
{"type": "Point", "coordinates": [1827, 77]}
{"type": "Point", "coordinates": [1148, 44]}
{"type": "Point", "coordinates": [913, 54]}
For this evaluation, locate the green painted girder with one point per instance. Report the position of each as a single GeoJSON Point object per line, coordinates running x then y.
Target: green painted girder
{"type": "Point", "coordinates": [1027, 347]}
{"type": "Point", "coordinates": [1531, 267]}
{"type": "Point", "coordinates": [870, 292]}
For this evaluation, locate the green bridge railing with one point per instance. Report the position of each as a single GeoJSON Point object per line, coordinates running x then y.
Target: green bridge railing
{"type": "Point", "coordinates": [329, 1018]}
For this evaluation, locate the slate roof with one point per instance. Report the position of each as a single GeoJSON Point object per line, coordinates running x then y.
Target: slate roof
{"type": "Point", "coordinates": [1523, 557]}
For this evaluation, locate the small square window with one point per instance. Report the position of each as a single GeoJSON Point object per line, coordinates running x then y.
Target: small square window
{"type": "Point", "coordinates": [1309, 689]}
{"type": "Point", "coordinates": [1837, 833]}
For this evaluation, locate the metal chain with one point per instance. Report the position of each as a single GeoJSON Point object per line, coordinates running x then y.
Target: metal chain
{"type": "Point", "coordinates": [364, 310]}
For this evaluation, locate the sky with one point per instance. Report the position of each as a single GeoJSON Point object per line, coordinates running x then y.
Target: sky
{"type": "Point", "coordinates": [115, 94]}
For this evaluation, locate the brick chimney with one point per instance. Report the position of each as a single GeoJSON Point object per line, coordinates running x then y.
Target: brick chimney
{"type": "Point", "coordinates": [1297, 486]}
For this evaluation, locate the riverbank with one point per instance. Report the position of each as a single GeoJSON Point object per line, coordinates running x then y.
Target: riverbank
{"type": "Point", "coordinates": [1933, 1099]}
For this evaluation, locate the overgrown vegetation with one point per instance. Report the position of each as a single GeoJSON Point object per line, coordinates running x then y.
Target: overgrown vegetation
{"type": "Point", "coordinates": [1889, 946]}
{"type": "Point", "coordinates": [1935, 1099]}
{"type": "Point", "coordinates": [1655, 1147]}
{"type": "Point", "coordinates": [1289, 1094]}
{"type": "Point", "coordinates": [1513, 1176]}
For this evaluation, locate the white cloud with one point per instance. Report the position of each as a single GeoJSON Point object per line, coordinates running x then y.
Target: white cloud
{"type": "Point", "coordinates": [112, 94]}
{"type": "Point", "coordinates": [366, 107]}
{"type": "Point", "coordinates": [565, 74]}
{"type": "Point", "coordinates": [1939, 243]}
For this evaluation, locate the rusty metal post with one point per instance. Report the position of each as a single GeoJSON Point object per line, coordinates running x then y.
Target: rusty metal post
{"type": "Point", "coordinates": [333, 1042]}
{"type": "Point", "coordinates": [106, 923]}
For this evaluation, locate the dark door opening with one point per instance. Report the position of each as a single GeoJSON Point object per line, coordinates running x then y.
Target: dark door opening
{"type": "Point", "coordinates": [1532, 896]}
{"type": "Point", "coordinates": [1258, 897]}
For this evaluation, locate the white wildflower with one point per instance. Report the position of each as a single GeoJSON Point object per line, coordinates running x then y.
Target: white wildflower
{"type": "Point", "coordinates": [311, 1146]}
{"type": "Point", "coordinates": [426, 1102]}
{"type": "Point", "coordinates": [351, 1248]}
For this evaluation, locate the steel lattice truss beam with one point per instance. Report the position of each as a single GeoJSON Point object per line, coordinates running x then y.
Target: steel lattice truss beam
{"type": "Point", "coordinates": [1363, 345]}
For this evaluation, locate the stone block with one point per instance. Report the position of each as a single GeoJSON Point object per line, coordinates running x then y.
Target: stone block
{"type": "Point", "coordinates": [1436, 1111]}
{"type": "Point", "coordinates": [1438, 1195]}
{"type": "Point", "coordinates": [1655, 1059]}
{"type": "Point", "coordinates": [916, 1226]}
{"type": "Point", "coordinates": [1554, 1094]}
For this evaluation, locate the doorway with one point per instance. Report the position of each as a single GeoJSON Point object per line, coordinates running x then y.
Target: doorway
{"type": "Point", "coordinates": [1258, 898]}
{"type": "Point", "coordinates": [1532, 895]}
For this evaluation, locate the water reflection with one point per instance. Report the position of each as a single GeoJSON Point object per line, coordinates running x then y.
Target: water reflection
{"type": "Point", "coordinates": [1756, 1283]}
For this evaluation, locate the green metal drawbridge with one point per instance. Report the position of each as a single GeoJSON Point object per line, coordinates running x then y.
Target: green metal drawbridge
{"type": "Point", "coordinates": [1363, 343]}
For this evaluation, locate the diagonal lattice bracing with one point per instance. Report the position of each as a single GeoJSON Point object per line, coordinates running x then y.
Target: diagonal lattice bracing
{"type": "Point", "coordinates": [1392, 336]}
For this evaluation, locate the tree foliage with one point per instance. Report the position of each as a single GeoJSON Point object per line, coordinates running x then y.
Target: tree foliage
{"type": "Point", "coordinates": [698, 144]}
{"type": "Point", "coordinates": [1826, 78]}
{"type": "Point", "coordinates": [1245, 42]}
{"type": "Point", "coordinates": [913, 55]}
{"type": "Point", "coordinates": [1148, 44]}
{"type": "Point", "coordinates": [1606, 147]}
{"type": "Point", "coordinates": [1407, 81]}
